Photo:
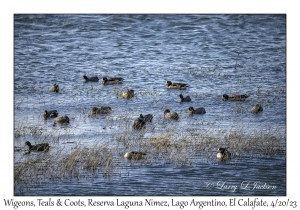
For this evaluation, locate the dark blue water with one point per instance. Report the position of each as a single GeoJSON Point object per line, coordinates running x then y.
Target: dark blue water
{"type": "Point", "coordinates": [213, 54]}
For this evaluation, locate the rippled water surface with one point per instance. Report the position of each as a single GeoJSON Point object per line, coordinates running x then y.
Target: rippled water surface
{"type": "Point", "coordinates": [213, 54]}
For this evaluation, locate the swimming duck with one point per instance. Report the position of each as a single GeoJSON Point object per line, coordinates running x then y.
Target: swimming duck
{"type": "Point", "coordinates": [180, 86]}
{"type": "Point", "coordinates": [134, 155]}
{"type": "Point", "coordinates": [91, 79]}
{"type": "Point", "coordinates": [256, 109]}
{"type": "Point", "coordinates": [223, 154]}
{"type": "Point", "coordinates": [54, 88]}
{"type": "Point", "coordinates": [234, 97]}
{"type": "Point", "coordinates": [170, 115]}
{"type": "Point", "coordinates": [101, 110]}
{"type": "Point", "coordinates": [128, 93]}
{"type": "Point", "coordinates": [147, 117]}
{"type": "Point", "coordinates": [192, 111]}
{"type": "Point", "coordinates": [51, 113]}
{"type": "Point", "coordinates": [61, 119]}
{"type": "Point", "coordinates": [184, 99]}
{"type": "Point", "coordinates": [37, 147]}
{"type": "Point", "coordinates": [139, 123]}
{"type": "Point", "coordinates": [112, 80]}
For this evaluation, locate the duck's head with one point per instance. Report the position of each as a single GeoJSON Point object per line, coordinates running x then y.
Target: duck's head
{"type": "Point", "coordinates": [56, 88]}
{"type": "Point", "coordinates": [191, 108]}
{"type": "Point", "coordinates": [180, 96]}
{"type": "Point", "coordinates": [141, 116]}
{"type": "Point", "coordinates": [222, 149]}
{"type": "Point", "coordinates": [225, 97]}
{"type": "Point", "coordinates": [167, 111]}
{"type": "Point", "coordinates": [27, 143]}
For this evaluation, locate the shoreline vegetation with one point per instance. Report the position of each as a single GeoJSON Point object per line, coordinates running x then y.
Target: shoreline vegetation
{"type": "Point", "coordinates": [106, 158]}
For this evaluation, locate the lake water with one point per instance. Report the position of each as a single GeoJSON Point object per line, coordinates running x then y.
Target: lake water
{"type": "Point", "coordinates": [213, 54]}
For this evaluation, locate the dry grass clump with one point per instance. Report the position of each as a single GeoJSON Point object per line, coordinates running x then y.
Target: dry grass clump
{"type": "Point", "coordinates": [255, 144]}
{"type": "Point", "coordinates": [33, 170]}
{"type": "Point", "coordinates": [21, 129]}
{"type": "Point", "coordinates": [61, 165]}
{"type": "Point", "coordinates": [167, 149]}
{"type": "Point", "coordinates": [96, 158]}
{"type": "Point", "coordinates": [163, 146]}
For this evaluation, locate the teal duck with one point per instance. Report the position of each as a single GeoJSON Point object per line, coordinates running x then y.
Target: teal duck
{"type": "Point", "coordinates": [54, 88]}
{"type": "Point", "coordinates": [223, 154]}
{"type": "Point", "coordinates": [91, 79]}
{"type": "Point", "coordinates": [50, 114]}
{"type": "Point", "coordinates": [101, 110]}
{"type": "Point", "coordinates": [170, 115]}
{"type": "Point", "coordinates": [234, 97]}
{"type": "Point", "coordinates": [37, 147]}
{"type": "Point", "coordinates": [139, 123]}
{"type": "Point", "coordinates": [61, 119]}
{"type": "Point", "coordinates": [184, 99]}
{"type": "Point", "coordinates": [128, 93]}
{"type": "Point", "coordinates": [134, 155]}
{"type": "Point", "coordinates": [180, 86]}
{"type": "Point", "coordinates": [256, 109]}
{"type": "Point", "coordinates": [112, 80]}
{"type": "Point", "coordinates": [192, 111]}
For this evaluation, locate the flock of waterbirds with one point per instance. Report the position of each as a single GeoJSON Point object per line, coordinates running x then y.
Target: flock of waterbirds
{"type": "Point", "coordinates": [140, 122]}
